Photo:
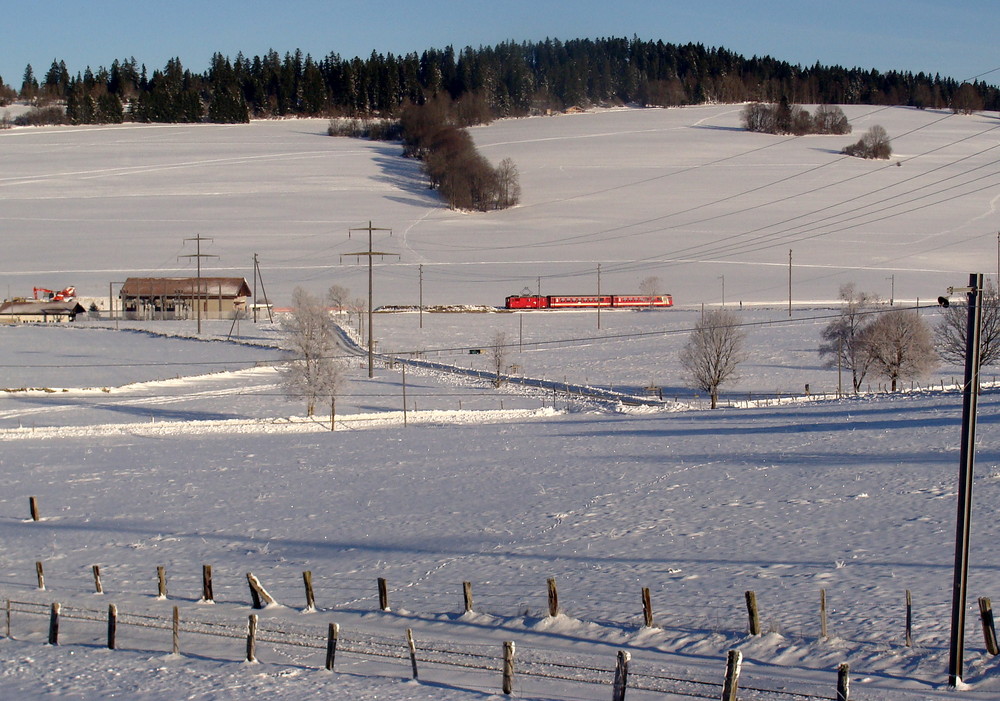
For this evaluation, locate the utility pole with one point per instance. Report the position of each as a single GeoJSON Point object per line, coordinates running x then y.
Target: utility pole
{"type": "Point", "coordinates": [198, 255]}
{"type": "Point", "coordinates": [723, 278]}
{"type": "Point", "coordinates": [970, 398]}
{"type": "Point", "coordinates": [420, 268]}
{"type": "Point", "coordinates": [370, 255]}
{"type": "Point", "coordinates": [892, 289]}
{"type": "Point", "coordinates": [789, 282]}
{"type": "Point", "coordinates": [598, 295]}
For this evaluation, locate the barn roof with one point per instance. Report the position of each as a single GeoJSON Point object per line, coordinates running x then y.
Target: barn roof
{"type": "Point", "coordinates": [185, 287]}
{"type": "Point", "coordinates": [38, 308]}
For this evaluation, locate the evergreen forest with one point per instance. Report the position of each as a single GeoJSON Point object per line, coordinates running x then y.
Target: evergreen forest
{"type": "Point", "coordinates": [509, 79]}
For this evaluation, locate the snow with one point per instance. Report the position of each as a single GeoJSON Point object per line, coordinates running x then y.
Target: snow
{"type": "Point", "coordinates": [147, 446]}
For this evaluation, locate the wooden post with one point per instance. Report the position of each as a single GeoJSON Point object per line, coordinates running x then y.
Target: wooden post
{"type": "Point", "coordinates": [258, 593]}
{"type": "Point", "coordinates": [207, 595]}
{"type": "Point", "coordinates": [647, 608]}
{"type": "Point", "coordinates": [733, 663]}
{"type": "Point", "coordinates": [989, 629]}
{"type": "Point", "coordinates": [112, 625]}
{"type": "Point", "coordinates": [553, 597]}
{"type": "Point", "coordinates": [175, 628]}
{"type": "Point", "coordinates": [252, 638]}
{"type": "Point", "coordinates": [753, 612]}
{"type": "Point", "coordinates": [98, 587]}
{"type": "Point", "coordinates": [333, 635]}
{"type": "Point", "coordinates": [307, 580]}
{"type": "Point", "coordinates": [909, 619]}
{"type": "Point", "coordinates": [161, 582]}
{"type": "Point", "coordinates": [467, 596]}
{"type": "Point", "coordinates": [822, 614]}
{"type": "Point", "coordinates": [621, 676]}
{"type": "Point", "coordinates": [33, 506]}
{"type": "Point", "coordinates": [41, 576]}
{"type": "Point", "coordinates": [844, 682]}
{"type": "Point", "coordinates": [383, 594]}
{"type": "Point", "coordinates": [413, 651]}
{"type": "Point", "coordinates": [7, 611]}
{"type": "Point", "coordinates": [508, 667]}
{"type": "Point", "coordinates": [54, 624]}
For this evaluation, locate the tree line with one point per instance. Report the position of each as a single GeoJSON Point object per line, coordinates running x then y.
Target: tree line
{"type": "Point", "coordinates": [508, 79]}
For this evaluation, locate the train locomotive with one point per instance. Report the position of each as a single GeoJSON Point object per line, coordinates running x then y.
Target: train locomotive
{"type": "Point", "coordinates": [589, 301]}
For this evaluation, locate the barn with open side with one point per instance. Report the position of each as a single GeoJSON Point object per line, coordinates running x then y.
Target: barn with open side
{"type": "Point", "coordinates": [181, 297]}
{"type": "Point", "coordinates": [43, 311]}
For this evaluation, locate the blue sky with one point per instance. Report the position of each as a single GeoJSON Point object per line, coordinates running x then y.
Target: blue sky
{"type": "Point", "coordinates": [956, 38]}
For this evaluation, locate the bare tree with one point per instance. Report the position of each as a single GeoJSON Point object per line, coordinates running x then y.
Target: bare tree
{"type": "Point", "coordinates": [498, 356]}
{"type": "Point", "coordinates": [899, 345]}
{"type": "Point", "coordinates": [650, 287]}
{"type": "Point", "coordinates": [338, 297]}
{"type": "Point", "coordinates": [841, 337]}
{"type": "Point", "coordinates": [508, 184]}
{"type": "Point", "coordinates": [950, 335]}
{"type": "Point", "coordinates": [313, 373]}
{"type": "Point", "coordinates": [874, 144]}
{"type": "Point", "coordinates": [713, 352]}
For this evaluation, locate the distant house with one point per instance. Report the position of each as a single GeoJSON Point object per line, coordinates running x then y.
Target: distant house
{"type": "Point", "coordinates": [39, 311]}
{"type": "Point", "coordinates": [181, 297]}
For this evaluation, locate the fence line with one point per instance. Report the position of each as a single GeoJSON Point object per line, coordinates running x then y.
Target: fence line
{"type": "Point", "coordinates": [375, 647]}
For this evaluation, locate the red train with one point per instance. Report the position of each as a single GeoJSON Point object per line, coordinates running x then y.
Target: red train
{"type": "Point", "coordinates": [588, 301]}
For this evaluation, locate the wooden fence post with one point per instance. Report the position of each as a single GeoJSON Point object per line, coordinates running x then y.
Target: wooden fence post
{"type": "Point", "coordinates": [8, 617]}
{"type": "Point", "coordinates": [258, 593]}
{"type": "Point", "coordinates": [733, 663]}
{"type": "Point", "coordinates": [383, 594]}
{"type": "Point", "coordinates": [175, 646]}
{"type": "Point", "coordinates": [989, 629]}
{"type": "Point", "coordinates": [909, 619]}
{"type": "Point", "coordinates": [307, 580]}
{"type": "Point", "coordinates": [161, 582]}
{"type": "Point", "coordinates": [753, 612]}
{"type": "Point", "coordinates": [508, 667]}
{"type": "Point", "coordinates": [621, 676]}
{"type": "Point", "coordinates": [112, 625]}
{"type": "Point", "coordinates": [413, 651]}
{"type": "Point", "coordinates": [54, 624]}
{"type": "Point", "coordinates": [467, 596]}
{"type": "Point", "coordinates": [33, 507]}
{"type": "Point", "coordinates": [98, 587]}
{"type": "Point", "coordinates": [333, 635]}
{"type": "Point", "coordinates": [822, 614]}
{"type": "Point", "coordinates": [647, 608]}
{"type": "Point", "coordinates": [207, 595]}
{"type": "Point", "coordinates": [553, 596]}
{"type": "Point", "coordinates": [844, 682]}
{"type": "Point", "coordinates": [40, 574]}
{"type": "Point", "coordinates": [252, 638]}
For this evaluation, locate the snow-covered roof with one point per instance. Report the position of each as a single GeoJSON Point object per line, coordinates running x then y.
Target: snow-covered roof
{"type": "Point", "coordinates": [41, 308]}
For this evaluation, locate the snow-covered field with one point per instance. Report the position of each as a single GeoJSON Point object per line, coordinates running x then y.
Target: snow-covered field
{"type": "Point", "coordinates": [149, 447]}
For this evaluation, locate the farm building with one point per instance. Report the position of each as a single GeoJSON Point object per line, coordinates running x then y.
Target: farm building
{"type": "Point", "coordinates": [31, 310]}
{"type": "Point", "coordinates": [180, 297]}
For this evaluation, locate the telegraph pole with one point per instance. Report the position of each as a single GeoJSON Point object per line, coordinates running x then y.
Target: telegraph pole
{"type": "Point", "coordinates": [370, 254]}
{"type": "Point", "coordinates": [598, 295]}
{"type": "Point", "coordinates": [198, 255]}
{"type": "Point", "coordinates": [420, 269]}
{"type": "Point", "coordinates": [967, 458]}
{"type": "Point", "coordinates": [789, 282]}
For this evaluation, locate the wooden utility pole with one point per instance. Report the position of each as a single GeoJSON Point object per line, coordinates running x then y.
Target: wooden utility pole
{"type": "Point", "coordinates": [370, 254]}
{"type": "Point", "coordinates": [789, 282]}
{"type": "Point", "coordinates": [420, 269]}
{"type": "Point", "coordinates": [598, 295]}
{"type": "Point", "coordinates": [197, 255]}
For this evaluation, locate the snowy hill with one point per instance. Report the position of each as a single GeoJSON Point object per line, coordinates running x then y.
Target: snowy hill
{"type": "Point", "coordinates": [147, 447]}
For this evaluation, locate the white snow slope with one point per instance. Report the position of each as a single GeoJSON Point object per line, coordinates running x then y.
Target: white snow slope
{"type": "Point", "coordinates": [159, 449]}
